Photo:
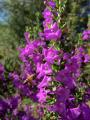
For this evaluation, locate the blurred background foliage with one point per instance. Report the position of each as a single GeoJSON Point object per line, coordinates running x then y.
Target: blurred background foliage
{"type": "Point", "coordinates": [76, 18]}
{"type": "Point", "coordinates": [18, 16]}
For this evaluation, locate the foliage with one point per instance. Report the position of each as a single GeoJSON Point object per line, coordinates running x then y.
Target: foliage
{"type": "Point", "coordinates": [8, 43]}
{"type": "Point", "coordinates": [23, 13]}
{"type": "Point", "coordinates": [20, 16]}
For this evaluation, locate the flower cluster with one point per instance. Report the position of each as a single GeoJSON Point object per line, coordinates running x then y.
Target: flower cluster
{"type": "Point", "coordinates": [86, 35]}
{"type": "Point", "coordinates": [12, 108]}
{"type": "Point", "coordinates": [49, 77]}
{"type": "Point", "coordinates": [51, 28]}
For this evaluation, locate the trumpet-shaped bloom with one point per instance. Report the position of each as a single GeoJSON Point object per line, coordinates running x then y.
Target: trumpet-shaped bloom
{"type": "Point", "coordinates": [43, 69]}
{"type": "Point", "coordinates": [51, 55]}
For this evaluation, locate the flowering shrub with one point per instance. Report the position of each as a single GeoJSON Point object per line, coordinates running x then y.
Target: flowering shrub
{"type": "Point", "coordinates": [51, 84]}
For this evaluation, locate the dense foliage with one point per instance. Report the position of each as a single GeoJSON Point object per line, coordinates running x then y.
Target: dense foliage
{"type": "Point", "coordinates": [17, 16]}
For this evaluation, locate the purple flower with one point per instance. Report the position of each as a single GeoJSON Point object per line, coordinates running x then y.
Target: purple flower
{"type": "Point", "coordinates": [51, 55]}
{"type": "Point", "coordinates": [37, 58]}
{"type": "Point", "coordinates": [44, 82]}
{"type": "Point", "coordinates": [27, 35]}
{"type": "Point", "coordinates": [14, 102]}
{"type": "Point", "coordinates": [86, 35]}
{"type": "Point", "coordinates": [87, 58]}
{"type": "Point", "coordinates": [3, 107]}
{"type": "Point", "coordinates": [74, 113]}
{"type": "Point", "coordinates": [43, 69]}
{"type": "Point", "coordinates": [47, 23]}
{"type": "Point", "coordinates": [85, 111]}
{"type": "Point", "coordinates": [28, 49]}
{"type": "Point", "coordinates": [52, 33]}
{"type": "Point", "coordinates": [66, 78]}
{"type": "Point", "coordinates": [39, 43]}
{"type": "Point", "coordinates": [59, 107]}
{"type": "Point", "coordinates": [15, 78]}
{"type": "Point", "coordinates": [26, 69]}
{"type": "Point", "coordinates": [26, 52]}
{"type": "Point", "coordinates": [62, 94]}
{"type": "Point", "coordinates": [66, 56]}
{"type": "Point", "coordinates": [25, 118]}
{"type": "Point", "coordinates": [52, 28]}
{"type": "Point", "coordinates": [47, 14]}
{"type": "Point", "coordinates": [42, 95]}
{"type": "Point", "coordinates": [72, 65]}
{"type": "Point", "coordinates": [52, 4]}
